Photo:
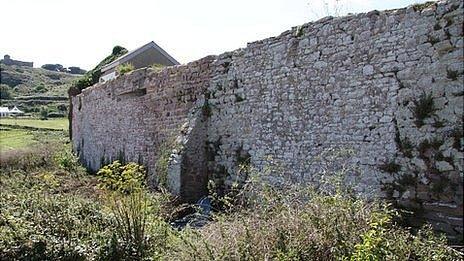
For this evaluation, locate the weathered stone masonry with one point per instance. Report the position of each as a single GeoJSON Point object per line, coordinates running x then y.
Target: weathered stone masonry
{"type": "Point", "coordinates": [363, 82]}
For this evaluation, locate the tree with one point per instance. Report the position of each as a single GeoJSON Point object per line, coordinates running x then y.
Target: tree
{"type": "Point", "coordinates": [62, 107]}
{"type": "Point", "coordinates": [5, 91]}
{"type": "Point", "coordinates": [53, 67]}
{"type": "Point", "coordinates": [44, 113]}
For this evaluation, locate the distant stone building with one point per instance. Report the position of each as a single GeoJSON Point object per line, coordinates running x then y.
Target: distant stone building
{"type": "Point", "coordinates": [8, 61]}
{"type": "Point", "coordinates": [144, 56]}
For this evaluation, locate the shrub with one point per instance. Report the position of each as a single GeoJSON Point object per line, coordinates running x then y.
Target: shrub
{"type": "Point", "coordinates": [423, 108]}
{"type": "Point", "coordinates": [157, 67]}
{"type": "Point", "coordinates": [406, 147]}
{"type": "Point", "coordinates": [425, 245]}
{"type": "Point", "coordinates": [206, 109]}
{"type": "Point", "coordinates": [118, 50]}
{"type": "Point", "coordinates": [123, 178]}
{"type": "Point", "coordinates": [5, 91]}
{"type": "Point", "coordinates": [433, 40]}
{"type": "Point", "coordinates": [67, 224]}
{"type": "Point", "coordinates": [66, 160]}
{"type": "Point", "coordinates": [420, 7]}
{"type": "Point", "coordinates": [55, 115]}
{"type": "Point", "coordinates": [36, 223]}
{"type": "Point", "coordinates": [294, 222]}
{"type": "Point", "coordinates": [53, 67]}
{"type": "Point", "coordinates": [451, 74]}
{"type": "Point", "coordinates": [124, 68]}
{"type": "Point", "coordinates": [130, 226]}
{"type": "Point", "coordinates": [457, 135]}
{"type": "Point", "coordinates": [139, 226]}
{"type": "Point", "coordinates": [139, 230]}
{"type": "Point", "coordinates": [62, 107]}
{"type": "Point", "coordinates": [44, 113]}
{"type": "Point", "coordinates": [428, 148]}
{"type": "Point", "coordinates": [56, 214]}
{"type": "Point", "coordinates": [390, 167]}
{"type": "Point", "coordinates": [41, 88]}
{"type": "Point", "coordinates": [166, 149]}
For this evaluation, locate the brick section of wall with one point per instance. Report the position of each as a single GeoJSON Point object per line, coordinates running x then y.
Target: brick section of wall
{"type": "Point", "coordinates": [131, 116]}
{"type": "Point", "coordinates": [351, 83]}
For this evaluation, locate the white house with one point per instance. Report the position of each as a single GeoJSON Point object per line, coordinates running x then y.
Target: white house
{"type": "Point", "coordinates": [144, 56]}
{"type": "Point", "coordinates": [5, 112]}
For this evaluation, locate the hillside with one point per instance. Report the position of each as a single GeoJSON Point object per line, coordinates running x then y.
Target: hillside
{"type": "Point", "coordinates": [35, 89]}
{"type": "Point", "coordinates": [26, 81]}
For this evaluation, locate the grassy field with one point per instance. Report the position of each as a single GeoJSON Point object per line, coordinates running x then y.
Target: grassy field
{"type": "Point", "coordinates": [58, 123]}
{"type": "Point", "coordinates": [11, 139]}
{"type": "Point", "coordinates": [16, 138]}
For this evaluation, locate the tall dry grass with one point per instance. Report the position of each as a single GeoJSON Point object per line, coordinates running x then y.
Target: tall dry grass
{"type": "Point", "coordinates": [295, 222]}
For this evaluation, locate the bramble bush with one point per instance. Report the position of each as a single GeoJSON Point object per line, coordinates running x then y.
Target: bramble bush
{"type": "Point", "coordinates": [47, 212]}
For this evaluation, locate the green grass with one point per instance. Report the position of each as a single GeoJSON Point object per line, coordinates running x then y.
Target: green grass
{"type": "Point", "coordinates": [58, 123]}
{"type": "Point", "coordinates": [11, 139]}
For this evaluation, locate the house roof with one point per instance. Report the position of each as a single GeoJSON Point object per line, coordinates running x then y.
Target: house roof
{"type": "Point", "coordinates": [128, 56]}
{"type": "Point", "coordinates": [4, 109]}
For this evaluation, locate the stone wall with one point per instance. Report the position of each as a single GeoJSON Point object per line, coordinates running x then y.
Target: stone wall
{"type": "Point", "coordinates": [132, 117]}
{"type": "Point", "coordinates": [386, 86]}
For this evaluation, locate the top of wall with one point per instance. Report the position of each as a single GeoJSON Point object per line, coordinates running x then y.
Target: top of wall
{"type": "Point", "coordinates": [322, 27]}
{"type": "Point", "coordinates": [147, 74]}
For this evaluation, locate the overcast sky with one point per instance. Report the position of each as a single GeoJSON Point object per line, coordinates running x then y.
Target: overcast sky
{"type": "Point", "coordinates": [83, 32]}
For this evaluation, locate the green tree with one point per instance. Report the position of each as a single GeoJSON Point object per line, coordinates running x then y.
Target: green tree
{"type": "Point", "coordinates": [5, 91]}
{"type": "Point", "coordinates": [44, 113]}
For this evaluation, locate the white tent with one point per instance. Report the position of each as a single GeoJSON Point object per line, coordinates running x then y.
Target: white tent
{"type": "Point", "coordinates": [16, 111]}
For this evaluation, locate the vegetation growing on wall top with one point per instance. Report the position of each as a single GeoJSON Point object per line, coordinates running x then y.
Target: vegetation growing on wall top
{"type": "Point", "coordinates": [125, 68]}
{"type": "Point", "coordinates": [157, 67]}
{"type": "Point", "coordinates": [92, 76]}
